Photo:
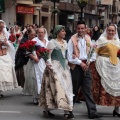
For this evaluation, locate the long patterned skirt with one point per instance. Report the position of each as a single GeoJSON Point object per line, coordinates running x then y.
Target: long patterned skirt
{"type": "Point", "coordinates": [101, 97]}
{"type": "Point", "coordinates": [56, 90]}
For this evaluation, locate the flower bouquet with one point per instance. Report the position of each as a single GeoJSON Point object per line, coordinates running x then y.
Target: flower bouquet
{"type": "Point", "coordinates": [43, 53]}
{"type": "Point", "coordinates": [17, 35]}
{"type": "Point", "coordinates": [16, 42]}
{"type": "Point", "coordinates": [28, 46]}
{"type": "Point", "coordinates": [12, 38]}
{"type": "Point", "coordinates": [92, 50]}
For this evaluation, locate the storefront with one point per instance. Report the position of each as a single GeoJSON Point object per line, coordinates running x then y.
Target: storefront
{"type": "Point", "coordinates": [67, 19]}
{"type": "Point", "coordinates": [24, 15]}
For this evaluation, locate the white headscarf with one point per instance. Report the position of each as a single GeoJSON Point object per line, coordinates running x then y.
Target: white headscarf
{"type": "Point", "coordinates": [46, 35]}
{"type": "Point", "coordinates": [5, 30]}
{"type": "Point", "coordinates": [11, 48]}
{"type": "Point", "coordinates": [116, 37]}
{"type": "Point", "coordinates": [102, 41]}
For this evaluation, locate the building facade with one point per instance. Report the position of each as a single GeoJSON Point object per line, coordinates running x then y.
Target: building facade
{"type": "Point", "coordinates": [111, 11]}
{"type": "Point", "coordinates": [70, 12]}
{"type": "Point", "coordinates": [20, 12]}
{"type": "Point", "coordinates": [23, 12]}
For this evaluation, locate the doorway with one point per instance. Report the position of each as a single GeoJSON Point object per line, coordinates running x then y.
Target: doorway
{"type": "Point", "coordinates": [45, 22]}
{"type": "Point", "coordinates": [20, 18]}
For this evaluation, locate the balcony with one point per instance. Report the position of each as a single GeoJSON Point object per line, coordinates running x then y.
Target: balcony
{"type": "Point", "coordinates": [24, 2]}
{"type": "Point", "coordinates": [75, 8]}
{"type": "Point", "coordinates": [28, 2]}
{"type": "Point", "coordinates": [89, 8]}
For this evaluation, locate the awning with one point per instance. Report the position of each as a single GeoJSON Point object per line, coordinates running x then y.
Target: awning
{"type": "Point", "coordinates": [2, 6]}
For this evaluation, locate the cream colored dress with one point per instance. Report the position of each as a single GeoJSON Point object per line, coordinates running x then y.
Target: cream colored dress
{"type": "Point", "coordinates": [109, 67]}
{"type": "Point", "coordinates": [8, 79]}
{"type": "Point", "coordinates": [56, 91]}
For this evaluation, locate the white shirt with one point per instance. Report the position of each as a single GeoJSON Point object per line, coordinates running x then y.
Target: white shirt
{"type": "Point", "coordinates": [83, 54]}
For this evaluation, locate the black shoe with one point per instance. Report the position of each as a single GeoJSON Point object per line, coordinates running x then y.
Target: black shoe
{"type": "Point", "coordinates": [78, 101]}
{"type": "Point", "coordinates": [48, 114]}
{"type": "Point", "coordinates": [94, 115]}
{"type": "Point", "coordinates": [1, 95]}
{"type": "Point", "coordinates": [69, 116]}
{"type": "Point", "coordinates": [115, 113]}
{"type": "Point", "coordinates": [36, 103]}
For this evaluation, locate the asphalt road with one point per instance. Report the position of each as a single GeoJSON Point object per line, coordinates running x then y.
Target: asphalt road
{"type": "Point", "coordinates": [15, 106]}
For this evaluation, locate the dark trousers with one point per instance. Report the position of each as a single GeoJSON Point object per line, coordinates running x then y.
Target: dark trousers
{"type": "Point", "coordinates": [83, 79]}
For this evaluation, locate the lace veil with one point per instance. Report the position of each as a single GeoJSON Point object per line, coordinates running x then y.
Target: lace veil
{"type": "Point", "coordinates": [104, 34]}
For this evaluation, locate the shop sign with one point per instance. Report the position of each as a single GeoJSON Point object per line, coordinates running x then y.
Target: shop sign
{"type": "Point", "coordinates": [71, 17]}
{"type": "Point", "coordinates": [107, 2]}
{"type": "Point", "coordinates": [25, 9]}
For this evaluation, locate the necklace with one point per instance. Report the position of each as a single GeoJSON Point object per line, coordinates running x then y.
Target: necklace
{"type": "Point", "coordinates": [61, 41]}
{"type": "Point", "coordinates": [61, 44]}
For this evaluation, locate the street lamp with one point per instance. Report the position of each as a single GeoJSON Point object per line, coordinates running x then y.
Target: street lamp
{"type": "Point", "coordinates": [100, 10]}
{"type": "Point", "coordinates": [82, 4]}
{"type": "Point", "coordinates": [54, 10]}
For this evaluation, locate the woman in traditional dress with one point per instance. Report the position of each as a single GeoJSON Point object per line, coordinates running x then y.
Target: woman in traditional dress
{"type": "Point", "coordinates": [42, 41]}
{"type": "Point", "coordinates": [30, 86]}
{"type": "Point", "coordinates": [34, 70]}
{"type": "Point", "coordinates": [17, 30]}
{"type": "Point", "coordinates": [106, 80]}
{"type": "Point", "coordinates": [18, 35]}
{"type": "Point", "coordinates": [56, 91]}
{"type": "Point", "coordinates": [8, 79]}
{"type": "Point", "coordinates": [12, 36]}
{"type": "Point", "coordinates": [21, 59]}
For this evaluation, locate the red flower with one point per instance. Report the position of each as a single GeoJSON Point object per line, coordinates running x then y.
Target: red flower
{"type": "Point", "coordinates": [43, 53]}
{"type": "Point", "coordinates": [12, 38]}
{"type": "Point", "coordinates": [118, 52]}
{"type": "Point", "coordinates": [17, 35]}
{"type": "Point", "coordinates": [29, 45]}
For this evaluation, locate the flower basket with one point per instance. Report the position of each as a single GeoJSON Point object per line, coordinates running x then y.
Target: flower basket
{"type": "Point", "coordinates": [55, 11]}
{"type": "Point", "coordinates": [82, 3]}
{"type": "Point", "coordinates": [99, 17]}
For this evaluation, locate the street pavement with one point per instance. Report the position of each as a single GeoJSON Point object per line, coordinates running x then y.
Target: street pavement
{"type": "Point", "coordinates": [15, 106]}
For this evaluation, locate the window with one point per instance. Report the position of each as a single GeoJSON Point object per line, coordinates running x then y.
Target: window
{"type": "Point", "coordinates": [37, 1]}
